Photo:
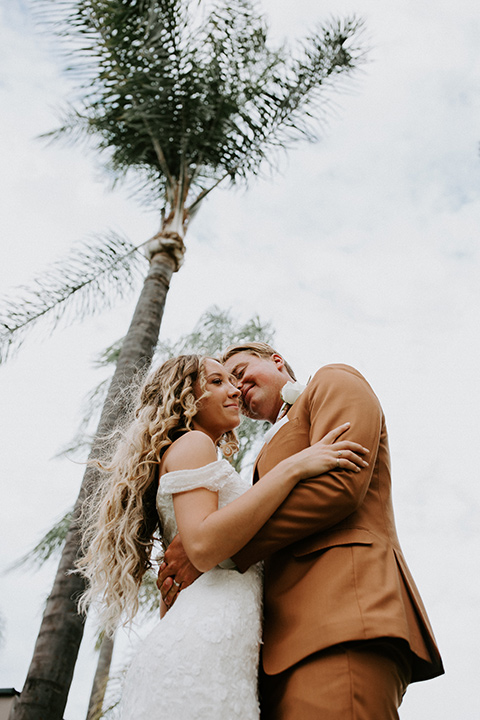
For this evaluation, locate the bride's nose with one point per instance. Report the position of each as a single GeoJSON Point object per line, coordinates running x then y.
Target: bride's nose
{"type": "Point", "coordinates": [234, 391]}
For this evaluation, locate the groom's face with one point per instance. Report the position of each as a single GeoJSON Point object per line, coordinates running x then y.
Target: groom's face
{"type": "Point", "coordinates": [260, 381]}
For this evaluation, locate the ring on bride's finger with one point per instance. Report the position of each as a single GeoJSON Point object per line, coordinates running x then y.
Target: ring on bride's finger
{"type": "Point", "coordinates": [175, 583]}
{"type": "Point", "coordinates": [338, 465]}
{"type": "Point", "coordinates": [339, 453]}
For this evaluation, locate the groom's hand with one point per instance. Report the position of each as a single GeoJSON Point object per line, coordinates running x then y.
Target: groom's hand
{"type": "Point", "coordinates": [176, 572]}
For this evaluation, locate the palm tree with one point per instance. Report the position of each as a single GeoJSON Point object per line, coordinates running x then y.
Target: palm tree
{"type": "Point", "coordinates": [177, 99]}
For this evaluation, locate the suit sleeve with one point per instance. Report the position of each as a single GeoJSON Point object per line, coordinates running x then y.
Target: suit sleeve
{"type": "Point", "coordinates": [334, 396]}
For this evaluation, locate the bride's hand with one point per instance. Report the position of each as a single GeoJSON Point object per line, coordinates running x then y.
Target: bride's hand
{"type": "Point", "coordinates": [330, 453]}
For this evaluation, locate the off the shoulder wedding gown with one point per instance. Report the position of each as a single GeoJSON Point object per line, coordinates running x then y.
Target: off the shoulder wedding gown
{"type": "Point", "coordinates": [200, 662]}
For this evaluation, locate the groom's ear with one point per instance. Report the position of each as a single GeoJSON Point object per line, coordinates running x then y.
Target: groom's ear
{"type": "Point", "coordinates": [278, 360]}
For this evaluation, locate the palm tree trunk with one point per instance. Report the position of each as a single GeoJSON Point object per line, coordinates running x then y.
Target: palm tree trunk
{"type": "Point", "coordinates": [101, 678]}
{"type": "Point", "coordinates": [45, 693]}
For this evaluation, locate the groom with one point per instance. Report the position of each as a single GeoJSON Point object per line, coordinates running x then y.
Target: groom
{"type": "Point", "coordinates": [345, 630]}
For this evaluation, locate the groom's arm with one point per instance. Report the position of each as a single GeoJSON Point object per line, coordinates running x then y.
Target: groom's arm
{"type": "Point", "coordinates": [336, 394]}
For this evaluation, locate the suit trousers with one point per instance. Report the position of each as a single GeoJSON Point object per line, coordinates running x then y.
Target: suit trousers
{"type": "Point", "coordinates": [363, 680]}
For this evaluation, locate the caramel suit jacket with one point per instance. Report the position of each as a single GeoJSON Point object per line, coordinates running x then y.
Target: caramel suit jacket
{"type": "Point", "coordinates": [334, 570]}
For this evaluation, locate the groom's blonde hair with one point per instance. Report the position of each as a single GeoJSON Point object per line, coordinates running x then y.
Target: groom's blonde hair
{"type": "Point", "coordinates": [260, 349]}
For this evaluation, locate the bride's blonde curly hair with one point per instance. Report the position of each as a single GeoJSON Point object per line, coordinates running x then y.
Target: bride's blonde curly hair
{"type": "Point", "coordinates": [120, 520]}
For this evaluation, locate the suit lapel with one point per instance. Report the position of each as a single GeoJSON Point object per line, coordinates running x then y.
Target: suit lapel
{"type": "Point", "coordinates": [255, 467]}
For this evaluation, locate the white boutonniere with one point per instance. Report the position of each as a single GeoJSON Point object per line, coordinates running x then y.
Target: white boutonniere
{"type": "Point", "coordinates": [291, 391]}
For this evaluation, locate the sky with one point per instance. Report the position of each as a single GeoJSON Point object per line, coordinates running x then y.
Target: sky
{"type": "Point", "coordinates": [363, 248]}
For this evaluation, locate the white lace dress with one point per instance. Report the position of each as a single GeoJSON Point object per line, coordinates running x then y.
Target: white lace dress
{"type": "Point", "coordinates": [200, 662]}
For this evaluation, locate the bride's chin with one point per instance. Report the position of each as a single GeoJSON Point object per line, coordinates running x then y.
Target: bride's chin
{"type": "Point", "coordinates": [231, 427]}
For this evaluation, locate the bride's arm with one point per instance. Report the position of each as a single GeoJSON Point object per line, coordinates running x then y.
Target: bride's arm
{"type": "Point", "coordinates": [211, 535]}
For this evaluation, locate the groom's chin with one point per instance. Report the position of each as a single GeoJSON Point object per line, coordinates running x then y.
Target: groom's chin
{"type": "Point", "coordinates": [250, 414]}
{"type": "Point", "coordinates": [245, 410]}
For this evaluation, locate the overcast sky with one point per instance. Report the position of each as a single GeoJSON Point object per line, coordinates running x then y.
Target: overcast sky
{"type": "Point", "coordinates": [363, 249]}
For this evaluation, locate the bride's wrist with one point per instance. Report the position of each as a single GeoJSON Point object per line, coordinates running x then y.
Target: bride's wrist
{"type": "Point", "coordinates": [291, 470]}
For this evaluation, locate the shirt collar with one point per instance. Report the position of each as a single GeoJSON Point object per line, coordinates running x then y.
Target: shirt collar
{"type": "Point", "coordinates": [282, 418]}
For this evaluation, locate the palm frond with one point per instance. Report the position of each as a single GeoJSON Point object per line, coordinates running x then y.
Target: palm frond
{"type": "Point", "coordinates": [80, 445]}
{"type": "Point", "coordinates": [48, 546]}
{"type": "Point", "coordinates": [108, 357]}
{"type": "Point", "coordinates": [181, 94]}
{"type": "Point", "coordinates": [291, 101]}
{"type": "Point", "coordinates": [92, 277]}
{"type": "Point", "coordinates": [215, 330]}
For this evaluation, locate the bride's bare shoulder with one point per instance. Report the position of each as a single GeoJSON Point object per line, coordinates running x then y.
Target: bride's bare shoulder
{"type": "Point", "coordinates": [192, 450]}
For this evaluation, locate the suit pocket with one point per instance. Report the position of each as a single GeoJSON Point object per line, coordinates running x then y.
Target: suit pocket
{"type": "Point", "coordinates": [336, 538]}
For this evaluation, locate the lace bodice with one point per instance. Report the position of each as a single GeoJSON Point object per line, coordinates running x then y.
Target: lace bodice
{"type": "Point", "coordinates": [218, 476]}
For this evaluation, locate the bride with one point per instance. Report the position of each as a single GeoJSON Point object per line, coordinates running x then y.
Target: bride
{"type": "Point", "coordinates": [201, 660]}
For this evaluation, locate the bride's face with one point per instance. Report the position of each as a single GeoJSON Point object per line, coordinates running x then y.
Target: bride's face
{"type": "Point", "coordinates": [219, 412]}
